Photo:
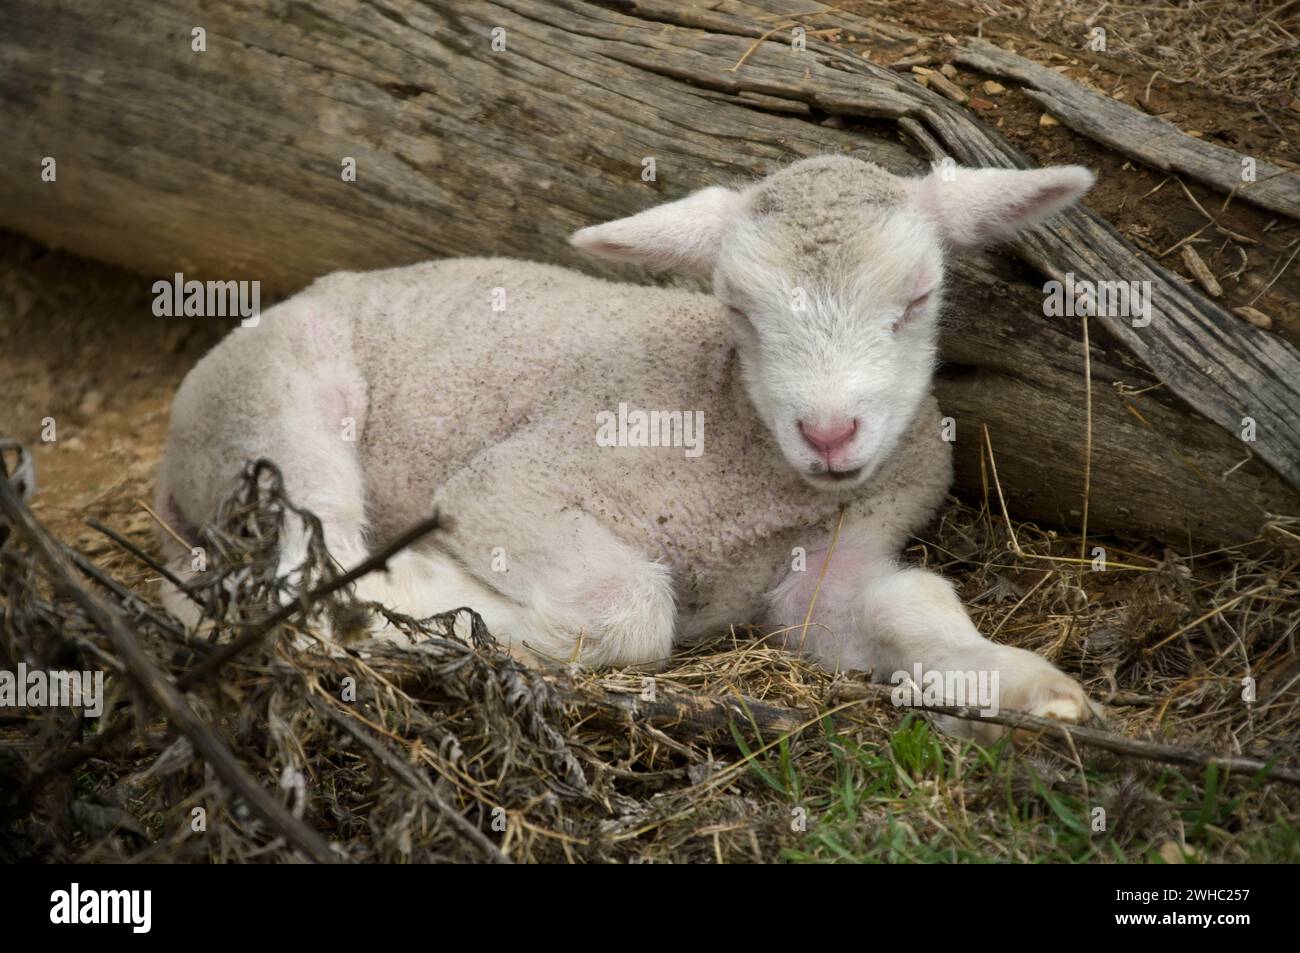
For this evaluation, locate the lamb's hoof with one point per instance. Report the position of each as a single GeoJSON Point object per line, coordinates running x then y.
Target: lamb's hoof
{"type": "Point", "coordinates": [1053, 695]}
{"type": "Point", "coordinates": [1030, 684]}
{"type": "Point", "coordinates": [1063, 707]}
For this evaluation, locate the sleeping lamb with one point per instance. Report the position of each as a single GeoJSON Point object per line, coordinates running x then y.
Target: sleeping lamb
{"type": "Point", "coordinates": [625, 467]}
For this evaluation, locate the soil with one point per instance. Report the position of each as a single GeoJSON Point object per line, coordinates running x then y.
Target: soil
{"type": "Point", "coordinates": [86, 362]}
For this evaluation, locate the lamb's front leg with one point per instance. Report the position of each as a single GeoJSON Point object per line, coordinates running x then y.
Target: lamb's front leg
{"type": "Point", "coordinates": [872, 615]}
{"type": "Point", "coordinates": [913, 620]}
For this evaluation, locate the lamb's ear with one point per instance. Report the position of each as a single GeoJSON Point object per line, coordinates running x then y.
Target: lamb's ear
{"type": "Point", "coordinates": [977, 206]}
{"type": "Point", "coordinates": [682, 235]}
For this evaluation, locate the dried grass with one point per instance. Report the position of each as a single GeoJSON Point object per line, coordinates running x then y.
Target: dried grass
{"type": "Point", "coordinates": [451, 750]}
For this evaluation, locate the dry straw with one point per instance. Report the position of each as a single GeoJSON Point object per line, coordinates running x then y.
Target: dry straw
{"type": "Point", "coordinates": [255, 740]}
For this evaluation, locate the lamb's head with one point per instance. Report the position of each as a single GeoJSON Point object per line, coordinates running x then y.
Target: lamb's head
{"type": "Point", "coordinates": [831, 272]}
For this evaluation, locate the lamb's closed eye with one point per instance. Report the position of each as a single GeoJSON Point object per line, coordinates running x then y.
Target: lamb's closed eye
{"type": "Point", "coordinates": [914, 309]}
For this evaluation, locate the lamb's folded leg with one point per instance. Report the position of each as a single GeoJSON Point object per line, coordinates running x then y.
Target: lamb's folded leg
{"type": "Point", "coordinates": [580, 594]}
{"type": "Point", "coordinates": [418, 583]}
{"type": "Point", "coordinates": [309, 420]}
{"type": "Point", "coordinates": [585, 595]}
{"type": "Point", "coordinates": [909, 624]}
{"type": "Point", "coordinates": [426, 583]}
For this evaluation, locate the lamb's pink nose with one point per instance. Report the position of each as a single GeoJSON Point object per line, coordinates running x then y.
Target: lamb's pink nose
{"type": "Point", "coordinates": [826, 438]}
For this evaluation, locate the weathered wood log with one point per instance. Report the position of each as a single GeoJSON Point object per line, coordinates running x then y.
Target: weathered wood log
{"type": "Point", "coordinates": [1139, 135]}
{"type": "Point", "coordinates": [226, 163]}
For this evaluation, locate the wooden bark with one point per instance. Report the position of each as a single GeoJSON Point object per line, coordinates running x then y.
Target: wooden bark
{"type": "Point", "coordinates": [1140, 136]}
{"type": "Point", "coordinates": [226, 164]}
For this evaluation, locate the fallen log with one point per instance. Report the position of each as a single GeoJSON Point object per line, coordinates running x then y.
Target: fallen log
{"type": "Point", "coordinates": [499, 127]}
{"type": "Point", "coordinates": [1139, 135]}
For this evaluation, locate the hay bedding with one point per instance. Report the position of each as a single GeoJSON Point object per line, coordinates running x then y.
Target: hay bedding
{"type": "Point", "coordinates": [451, 750]}
{"type": "Point", "coordinates": [448, 749]}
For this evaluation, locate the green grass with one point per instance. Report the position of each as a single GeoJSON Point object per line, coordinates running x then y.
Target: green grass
{"type": "Point", "coordinates": [923, 798]}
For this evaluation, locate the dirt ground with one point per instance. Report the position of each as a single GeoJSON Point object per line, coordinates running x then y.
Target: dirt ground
{"type": "Point", "coordinates": [80, 350]}
{"type": "Point", "coordinates": [83, 350]}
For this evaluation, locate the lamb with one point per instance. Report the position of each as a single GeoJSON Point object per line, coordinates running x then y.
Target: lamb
{"type": "Point", "coordinates": [482, 387]}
